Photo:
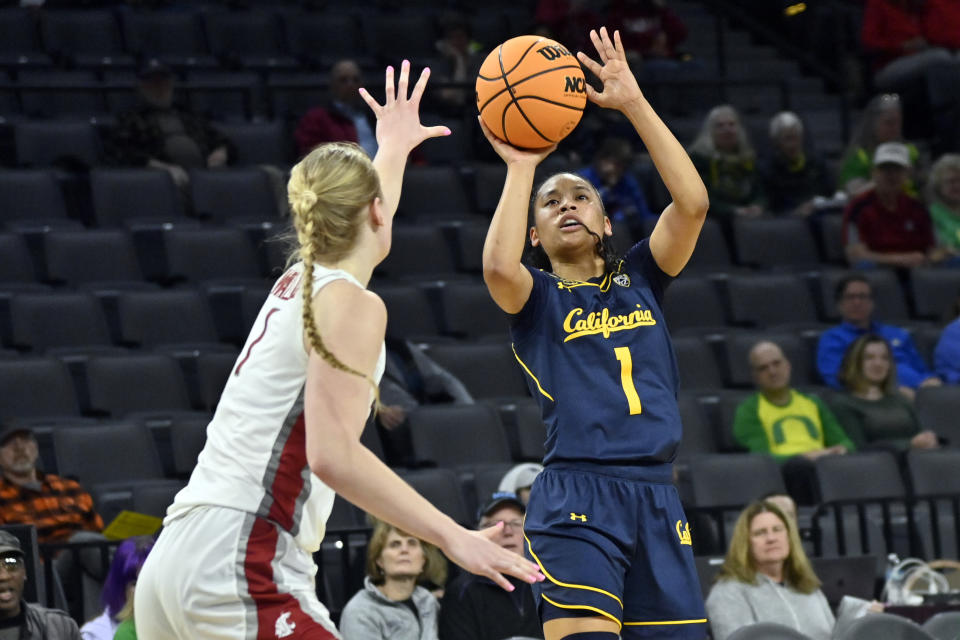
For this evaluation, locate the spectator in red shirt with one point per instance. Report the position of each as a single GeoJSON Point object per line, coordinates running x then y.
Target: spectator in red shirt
{"type": "Point", "coordinates": [647, 27]}
{"type": "Point", "coordinates": [884, 225]}
{"type": "Point", "coordinates": [343, 118]}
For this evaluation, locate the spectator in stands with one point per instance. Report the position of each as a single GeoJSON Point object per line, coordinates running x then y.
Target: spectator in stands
{"type": "Point", "coordinates": [391, 606]}
{"type": "Point", "coordinates": [882, 121]}
{"type": "Point", "coordinates": [473, 607]}
{"type": "Point", "coordinates": [462, 58]}
{"type": "Point", "coordinates": [650, 30]}
{"type": "Point", "coordinates": [565, 21]}
{"type": "Point", "coordinates": [162, 135]}
{"type": "Point", "coordinates": [17, 618]}
{"type": "Point", "coordinates": [885, 226]}
{"type": "Point", "coordinates": [520, 479]}
{"type": "Point", "coordinates": [793, 427]}
{"type": "Point", "coordinates": [794, 179]}
{"type": "Point", "coordinates": [618, 187]}
{"type": "Point", "coordinates": [58, 507]}
{"type": "Point", "coordinates": [875, 414]}
{"type": "Point", "coordinates": [943, 197]}
{"type": "Point", "coordinates": [853, 296]}
{"type": "Point", "coordinates": [766, 577]}
{"type": "Point", "coordinates": [117, 594]}
{"type": "Point", "coordinates": [726, 161]}
{"type": "Point", "coordinates": [946, 355]}
{"type": "Point", "coordinates": [343, 118]}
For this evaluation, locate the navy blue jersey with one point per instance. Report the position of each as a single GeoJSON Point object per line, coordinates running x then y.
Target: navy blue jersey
{"type": "Point", "coordinates": [599, 360]}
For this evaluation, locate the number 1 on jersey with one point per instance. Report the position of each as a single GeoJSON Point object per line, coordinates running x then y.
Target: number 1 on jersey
{"type": "Point", "coordinates": [626, 379]}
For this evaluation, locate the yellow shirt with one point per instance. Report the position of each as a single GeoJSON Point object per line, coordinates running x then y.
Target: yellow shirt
{"type": "Point", "coordinates": [791, 429]}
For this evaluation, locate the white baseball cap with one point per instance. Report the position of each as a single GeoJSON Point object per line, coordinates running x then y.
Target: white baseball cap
{"type": "Point", "coordinates": [520, 477]}
{"type": "Point", "coordinates": [892, 153]}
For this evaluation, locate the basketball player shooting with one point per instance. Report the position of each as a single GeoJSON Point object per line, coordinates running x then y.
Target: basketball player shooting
{"type": "Point", "coordinates": [604, 522]}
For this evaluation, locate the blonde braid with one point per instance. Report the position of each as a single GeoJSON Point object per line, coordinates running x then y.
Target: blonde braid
{"type": "Point", "coordinates": [309, 219]}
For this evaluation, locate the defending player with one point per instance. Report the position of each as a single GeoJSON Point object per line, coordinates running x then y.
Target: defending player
{"type": "Point", "coordinates": [235, 556]}
{"type": "Point", "coordinates": [604, 520]}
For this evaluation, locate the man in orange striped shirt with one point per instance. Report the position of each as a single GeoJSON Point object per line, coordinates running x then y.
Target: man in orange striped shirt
{"type": "Point", "coordinates": [57, 507]}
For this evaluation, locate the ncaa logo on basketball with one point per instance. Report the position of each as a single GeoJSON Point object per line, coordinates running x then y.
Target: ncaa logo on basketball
{"type": "Point", "coordinates": [575, 85]}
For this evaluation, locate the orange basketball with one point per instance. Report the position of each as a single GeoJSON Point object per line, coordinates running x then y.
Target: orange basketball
{"type": "Point", "coordinates": [531, 92]}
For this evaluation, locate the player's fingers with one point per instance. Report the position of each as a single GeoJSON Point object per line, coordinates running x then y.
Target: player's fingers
{"type": "Point", "coordinates": [389, 88]}
{"type": "Point", "coordinates": [501, 581]}
{"type": "Point", "coordinates": [618, 45]}
{"type": "Point", "coordinates": [404, 80]}
{"type": "Point", "coordinates": [598, 45]}
{"type": "Point", "coordinates": [607, 43]}
{"type": "Point", "coordinates": [592, 94]}
{"type": "Point", "coordinates": [589, 63]}
{"type": "Point", "coordinates": [434, 132]}
{"type": "Point", "coordinates": [492, 532]}
{"type": "Point", "coordinates": [373, 104]}
{"type": "Point", "coordinates": [420, 86]}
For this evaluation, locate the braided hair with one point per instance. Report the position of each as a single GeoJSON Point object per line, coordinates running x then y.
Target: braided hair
{"type": "Point", "coordinates": [326, 191]}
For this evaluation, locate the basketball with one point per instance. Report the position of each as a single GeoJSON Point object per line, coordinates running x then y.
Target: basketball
{"type": "Point", "coordinates": [531, 92]}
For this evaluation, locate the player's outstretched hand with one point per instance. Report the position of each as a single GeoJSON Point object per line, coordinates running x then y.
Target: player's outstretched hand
{"type": "Point", "coordinates": [398, 118]}
{"type": "Point", "coordinates": [511, 154]}
{"type": "Point", "coordinates": [477, 553]}
{"type": "Point", "coordinates": [620, 87]}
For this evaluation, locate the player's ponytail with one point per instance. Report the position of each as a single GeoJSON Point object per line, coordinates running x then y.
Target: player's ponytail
{"type": "Point", "coordinates": [327, 191]}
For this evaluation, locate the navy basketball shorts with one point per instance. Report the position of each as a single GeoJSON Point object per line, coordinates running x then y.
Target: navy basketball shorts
{"type": "Point", "coordinates": [617, 547]}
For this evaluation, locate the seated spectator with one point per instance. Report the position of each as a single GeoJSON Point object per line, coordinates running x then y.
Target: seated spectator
{"type": "Point", "coordinates": [793, 427]}
{"type": "Point", "coordinates": [875, 414]}
{"type": "Point", "coordinates": [462, 60]}
{"type": "Point", "coordinates": [565, 21]}
{"type": "Point", "coordinates": [943, 192]}
{"type": "Point", "coordinates": [649, 29]}
{"type": "Point", "coordinates": [162, 135]}
{"type": "Point", "coordinates": [946, 355]}
{"type": "Point", "coordinates": [17, 618]}
{"type": "Point", "coordinates": [391, 606]}
{"type": "Point", "coordinates": [117, 593]}
{"type": "Point", "coordinates": [343, 118]}
{"type": "Point", "coordinates": [854, 299]}
{"type": "Point", "coordinates": [727, 164]}
{"type": "Point", "coordinates": [885, 226]}
{"type": "Point", "coordinates": [58, 507]}
{"type": "Point", "coordinates": [474, 607]}
{"type": "Point", "coordinates": [619, 189]}
{"type": "Point", "coordinates": [793, 179]}
{"type": "Point", "coordinates": [519, 480]}
{"type": "Point", "coordinates": [882, 121]}
{"type": "Point", "coordinates": [766, 577]}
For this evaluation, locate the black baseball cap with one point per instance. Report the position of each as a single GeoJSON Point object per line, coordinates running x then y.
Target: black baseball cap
{"type": "Point", "coordinates": [10, 543]}
{"type": "Point", "coordinates": [500, 499]}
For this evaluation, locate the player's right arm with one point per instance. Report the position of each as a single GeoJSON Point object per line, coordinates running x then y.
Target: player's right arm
{"type": "Point", "coordinates": [351, 321]}
{"type": "Point", "coordinates": [506, 278]}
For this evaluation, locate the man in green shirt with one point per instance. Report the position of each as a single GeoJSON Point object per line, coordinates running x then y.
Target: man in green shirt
{"type": "Point", "coordinates": [793, 427]}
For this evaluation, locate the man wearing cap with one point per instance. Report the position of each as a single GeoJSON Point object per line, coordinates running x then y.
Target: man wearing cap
{"type": "Point", "coordinates": [519, 479]}
{"type": "Point", "coordinates": [19, 620]}
{"type": "Point", "coordinates": [161, 135]}
{"type": "Point", "coordinates": [885, 225]}
{"type": "Point", "coordinates": [473, 607]}
{"type": "Point", "coordinates": [57, 507]}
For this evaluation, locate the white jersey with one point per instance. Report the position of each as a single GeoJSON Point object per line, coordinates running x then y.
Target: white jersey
{"type": "Point", "coordinates": [255, 457]}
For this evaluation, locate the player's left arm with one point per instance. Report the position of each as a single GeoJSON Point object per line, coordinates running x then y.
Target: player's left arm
{"type": "Point", "coordinates": [675, 235]}
{"type": "Point", "coordinates": [398, 130]}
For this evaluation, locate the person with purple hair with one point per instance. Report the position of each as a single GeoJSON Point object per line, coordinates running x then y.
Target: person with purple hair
{"type": "Point", "coordinates": [117, 594]}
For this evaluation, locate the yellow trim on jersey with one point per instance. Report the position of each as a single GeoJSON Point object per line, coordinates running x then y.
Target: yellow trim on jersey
{"type": "Point", "coordinates": [566, 584]}
{"type": "Point", "coordinates": [604, 284]}
{"type": "Point", "coordinates": [583, 606]}
{"type": "Point", "coordinates": [638, 624]}
{"type": "Point", "coordinates": [530, 373]}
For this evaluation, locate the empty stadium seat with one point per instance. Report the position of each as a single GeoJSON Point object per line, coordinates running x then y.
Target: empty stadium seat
{"type": "Point", "coordinates": [712, 252]}
{"type": "Point", "coordinates": [327, 36]}
{"type": "Point", "coordinates": [531, 430]}
{"type": "Point", "coordinates": [251, 37]}
{"type": "Point", "coordinates": [31, 198]}
{"type": "Point", "coordinates": [36, 387]}
{"type": "Point", "coordinates": [118, 385]}
{"type": "Point", "coordinates": [77, 257]}
{"type": "Point", "coordinates": [128, 195]}
{"type": "Point", "coordinates": [442, 489]}
{"type": "Point", "coordinates": [457, 434]}
{"type": "Point", "coordinates": [469, 240]}
{"type": "Point", "coordinates": [258, 143]}
{"type": "Point", "coordinates": [936, 409]}
{"type": "Point", "coordinates": [433, 193]}
{"type": "Point", "coordinates": [175, 37]}
{"type": "Point", "coordinates": [222, 95]}
{"type": "Point", "coordinates": [934, 291]}
{"type": "Point", "coordinates": [693, 303]}
{"type": "Point", "coordinates": [697, 363]}
{"type": "Point", "coordinates": [774, 243]}
{"type": "Point", "coordinates": [44, 143]}
{"type": "Point", "coordinates": [698, 434]}
{"type": "Point", "coordinates": [213, 371]}
{"type": "Point", "coordinates": [85, 37]}
{"type": "Point", "coordinates": [469, 311]}
{"type": "Point", "coordinates": [765, 300]}
{"type": "Point", "coordinates": [188, 435]}
{"type": "Point", "coordinates": [52, 93]}
{"type": "Point", "coordinates": [487, 186]}
{"type": "Point", "coordinates": [15, 262]}
{"type": "Point", "coordinates": [223, 195]}
{"type": "Point", "coordinates": [410, 314]}
{"type": "Point", "coordinates": [487, 370]}
{"type": "Point", "coordinates": [45, 321]}
{"type": "Point", "coordinates": [152, 318]}
{"type": "Point", "coordinates": [417, 251]}
{"type": "Point", "coordinates": [196, 255]}
{"type": "Point", "coordinates": [108, 453]}
{"type": "Point", "coordinates": [935, 486]}
{"type": "Point", "coordinates": [153, 498]}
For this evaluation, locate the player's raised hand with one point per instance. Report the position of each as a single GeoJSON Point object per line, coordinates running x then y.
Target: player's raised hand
{"type": "Point", "coordinates": [511, 154]}
{"type": "Point", "coordinates": [620, 87]}
{"type": "Point", "coordinates": [398, 118]}
{"type": "Point", "coordinates": [477, 553]}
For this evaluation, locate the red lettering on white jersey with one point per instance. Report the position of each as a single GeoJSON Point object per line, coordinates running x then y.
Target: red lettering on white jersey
{"type": "Point", "coordinates": [287, 286]}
